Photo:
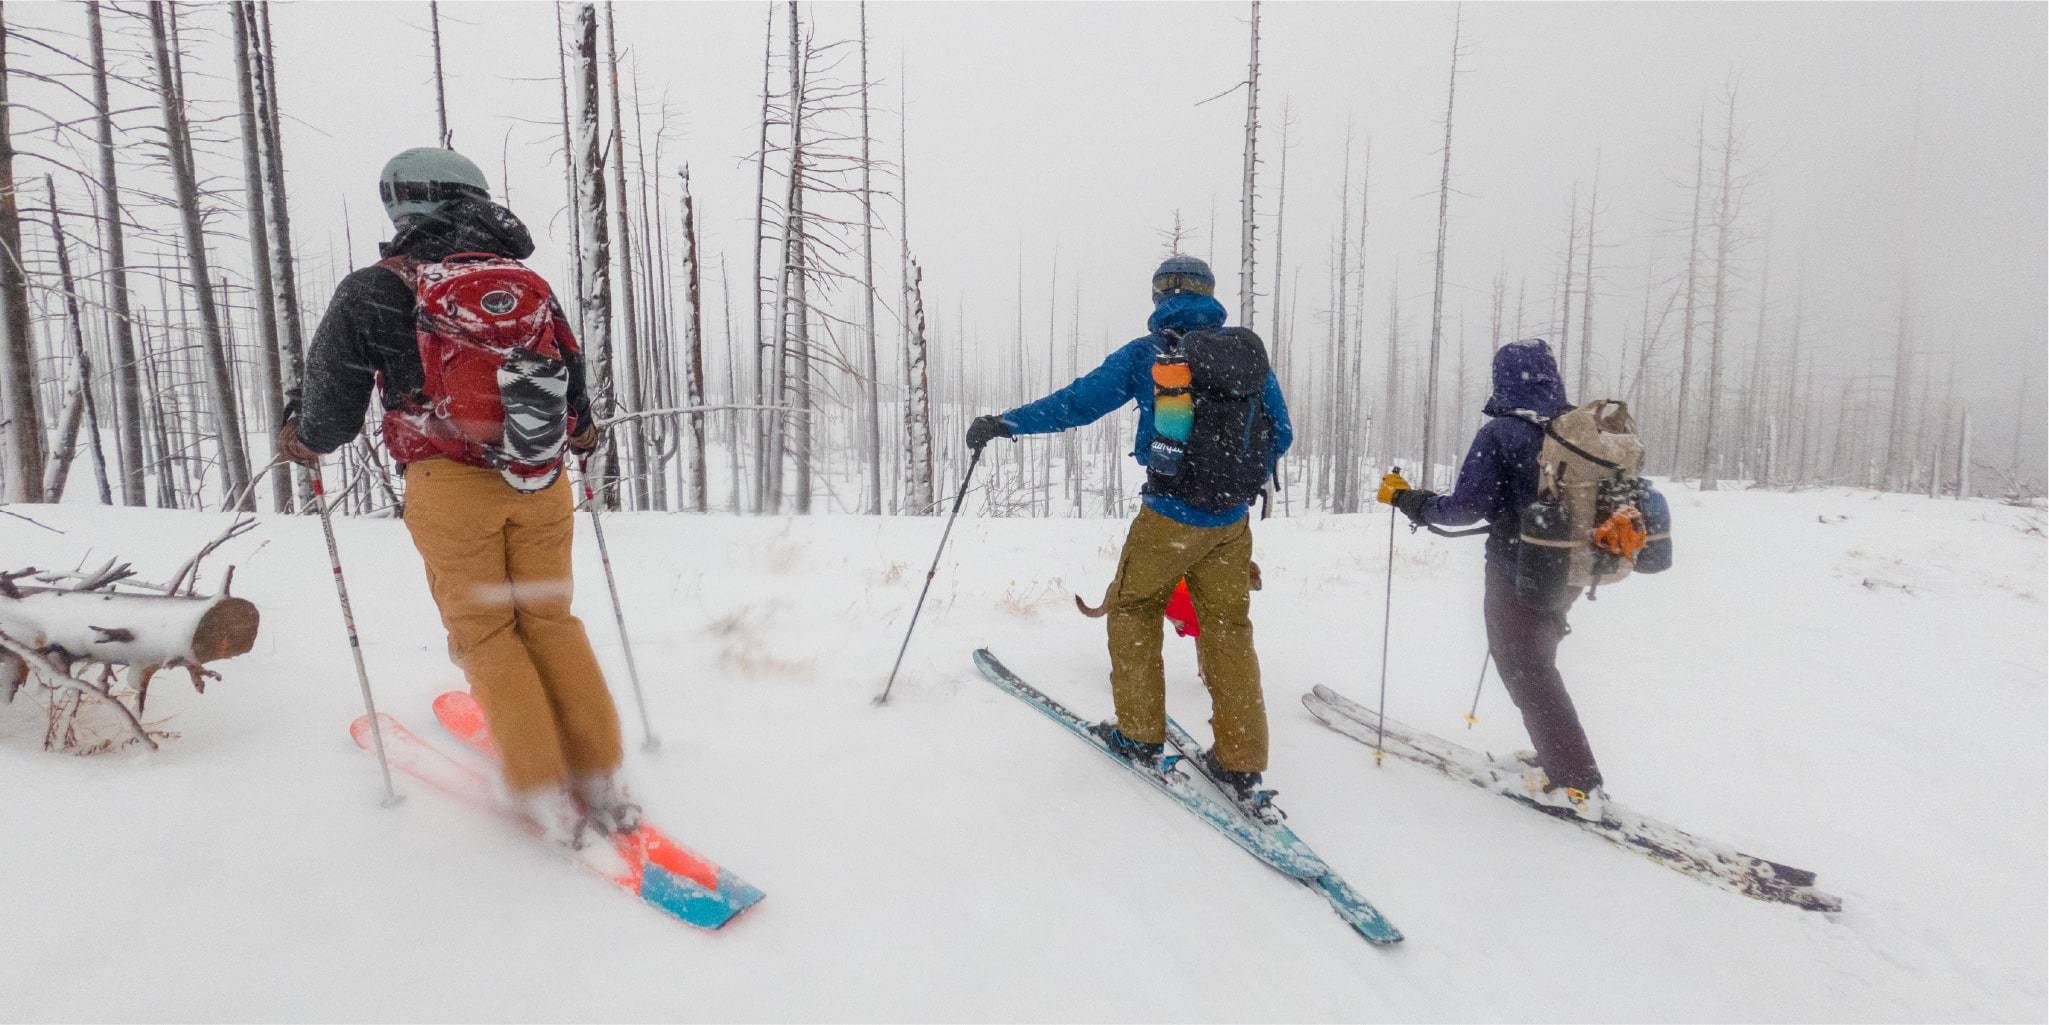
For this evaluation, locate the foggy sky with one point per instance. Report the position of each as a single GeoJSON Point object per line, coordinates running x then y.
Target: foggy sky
{"type": "Point", "coordinates": [1039, 129]}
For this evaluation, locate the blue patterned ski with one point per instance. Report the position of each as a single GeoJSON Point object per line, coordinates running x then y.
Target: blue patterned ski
{"type": "Point", "coordinates": [1356, 910]}
{"type": "Point", "coordinates": [1299, 863]}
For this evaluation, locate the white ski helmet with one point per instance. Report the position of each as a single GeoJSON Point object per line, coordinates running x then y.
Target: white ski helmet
{"type": "Point", "coordinates": [418, 180]}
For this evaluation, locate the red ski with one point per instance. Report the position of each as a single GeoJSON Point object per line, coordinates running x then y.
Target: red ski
{"type": "Point", "coordinates": [647, 870]}
{"type": "Point", "coordinates": [672, 863]}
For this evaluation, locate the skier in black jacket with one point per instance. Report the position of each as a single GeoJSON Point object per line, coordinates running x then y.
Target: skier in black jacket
{"type": "Point", "coordinates": [369, 323]}
{"type": "Point", "coordinates": [497, 555]}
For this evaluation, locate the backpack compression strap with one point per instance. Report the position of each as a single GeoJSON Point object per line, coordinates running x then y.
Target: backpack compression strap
{"type": "Point", "coordinates": [1552, 433]}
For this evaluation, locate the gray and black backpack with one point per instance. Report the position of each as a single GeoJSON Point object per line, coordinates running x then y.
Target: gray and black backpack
{"type": "Point", "coordinates": [1212, 441]}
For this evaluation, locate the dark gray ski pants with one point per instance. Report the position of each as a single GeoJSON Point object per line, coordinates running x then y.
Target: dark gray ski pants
{"type": "Point", "coordinates": [1525, 645]}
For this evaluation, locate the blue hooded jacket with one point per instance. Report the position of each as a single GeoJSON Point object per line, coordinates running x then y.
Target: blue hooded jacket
{"type": "Point", "coordinates": [1127, 376]}
{"type": "Point", "coordinates": [1499, 477]}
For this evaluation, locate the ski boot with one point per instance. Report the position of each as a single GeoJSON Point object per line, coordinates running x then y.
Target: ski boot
{"type": "Point", "coordinates": [1133, 751]}
{"type": "Point", "coordinates": [1589, 804]}
{"type": "Point", "coordinates": [1245, 789]}
{"type": "Point", "coordinates": [563, 823]}
{"type": "Point", "coordinates": [606, 804]}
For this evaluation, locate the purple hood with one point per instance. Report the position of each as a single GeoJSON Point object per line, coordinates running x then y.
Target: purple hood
{"type": "Point", "coordinates": [1526, 378]}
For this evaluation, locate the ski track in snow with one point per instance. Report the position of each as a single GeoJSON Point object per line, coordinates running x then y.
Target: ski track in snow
{"type": "Point", "coordinates": [954, 856]}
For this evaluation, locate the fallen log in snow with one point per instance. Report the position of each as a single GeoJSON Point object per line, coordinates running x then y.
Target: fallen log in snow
{"type": "Point", "coordinates": [58, 636]}
{"type": "Point", "coordinates": [131, 629]}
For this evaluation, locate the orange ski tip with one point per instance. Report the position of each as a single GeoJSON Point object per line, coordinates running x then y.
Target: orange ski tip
{"type": "Point", "coordinates": [676, 858]}
{"type": "Point", "coordinates": [464, 717]}
{"type": "Point", "coordinates": [359, 729]}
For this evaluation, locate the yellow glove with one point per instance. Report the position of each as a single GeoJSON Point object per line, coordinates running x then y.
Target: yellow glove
{"type": "Point", "coordinates": [1390, 484]}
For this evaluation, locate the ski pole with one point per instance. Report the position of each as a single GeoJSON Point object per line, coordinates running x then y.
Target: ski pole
{"type": "Point", "coordinates": [958, 498]}
{"type": "Point", "coordinates": [1386, 631]}
{"type": "Point", "coordinates": [1473, 717]}
{"type": "Point", "coordinates": [590, 501]}
{"type": "Point", "coordinates": [341, 591]}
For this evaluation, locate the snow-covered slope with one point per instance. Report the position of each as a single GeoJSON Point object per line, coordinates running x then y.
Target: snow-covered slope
{"type": "Point", "coordinates": [1845, 682]}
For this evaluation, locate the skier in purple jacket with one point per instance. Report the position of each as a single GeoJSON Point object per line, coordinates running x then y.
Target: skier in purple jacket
{"type": "Point", "coordinates": [1498, 480]}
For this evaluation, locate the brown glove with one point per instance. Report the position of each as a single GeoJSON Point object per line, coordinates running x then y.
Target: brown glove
{"type": "Point", "coordinates": [291, 449]}
{"type": "Point", "coordinates": [586, 441]}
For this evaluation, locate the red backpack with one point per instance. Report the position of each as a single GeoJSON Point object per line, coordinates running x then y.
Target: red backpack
{"type": "Point", "coordinates": [494, 350]}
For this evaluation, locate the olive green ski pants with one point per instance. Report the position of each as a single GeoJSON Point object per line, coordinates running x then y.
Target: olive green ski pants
{"type": "Point", "coordinates": [1217, 562]}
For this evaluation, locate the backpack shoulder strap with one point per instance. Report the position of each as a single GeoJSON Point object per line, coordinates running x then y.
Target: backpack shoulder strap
{"type": "Point", "coordinates": [407, 269]}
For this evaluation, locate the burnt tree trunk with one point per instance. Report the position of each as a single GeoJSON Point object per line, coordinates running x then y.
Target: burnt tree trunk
{"type": "Point", "coordinates": [227, 413]}
{"type": "Point", "coordinates": [129, 414]}
{"type": "Point", "coordinates": [693, 347]}
{"type": "Point", "coordinates": [21, 425]}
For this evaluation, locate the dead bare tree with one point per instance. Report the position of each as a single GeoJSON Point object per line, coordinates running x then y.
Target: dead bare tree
{"type": "Point", "coordinates": [693, 347]}
{"type": "Point", "coordinates": [1896, 441]}
{"type": "Point", "coordinates": [22, 457]}
{"type": "Point", "coordinates": [818, 197]}
{"type": "Point", "coordinates": [1359, 423]}
{"type": "Point", "coordinates": [178, 140]}
{"type": "Point", "coordinates": [734, 432]}
{"type": "Point", "coordinates": [569, 167]}
{"type": "Point", "coordinates": [1586, 305]}
{"type": "Point", "coordinates": [1248, 202]}
{"type": "Point", "coordinates": [918, 408]}
{"type": "Point", "coordinates": [128, 411]}
{"type": "Point", "coordinates": [446, 138]}
{"type": "Point", "coordinates": [763, 494]}
{"type": "Point", "coordinates": [1565, 314]}
{"type": "Point", "coordinates": [871, 498]}
{"type": "Point", "coordinates": [1692, 306]}
{"type": "Point", "coordinates": [1725, 242]}
{"type": "Point", "coordinates": [83, 398]}
{"type": "Point", "coordinates": [1437, 301]}
{"type": "Point", "coordinates": [255, 210]}
{"type": "Point", "coordinates": [284, 274]}
{"type": "Point", "coordinates": [1278, 340]}
{"type": "Point", "coordinates": [1337, 399]}
{"type": "Point", "coordinates": [632, 445]}
{"type": "Point", "coordinates": [595, 295]}
{"type": "Point", "coordinates": [788, 273]}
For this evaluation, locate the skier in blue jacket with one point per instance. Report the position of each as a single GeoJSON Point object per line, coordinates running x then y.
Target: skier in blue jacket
{"type": "Point", "coordinates": [1498, 480]}
{"type": "Point", "coordinates": [1184, 535]}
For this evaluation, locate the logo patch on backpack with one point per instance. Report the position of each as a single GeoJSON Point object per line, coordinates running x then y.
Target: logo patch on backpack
{"type": "Point", "coordinates": [495, 358]}
{"type": "Point", "coordinates": [499, 303]}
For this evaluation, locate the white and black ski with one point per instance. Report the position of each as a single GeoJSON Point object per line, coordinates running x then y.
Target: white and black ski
{"type": "Point", "coordinates": [1711, 862]}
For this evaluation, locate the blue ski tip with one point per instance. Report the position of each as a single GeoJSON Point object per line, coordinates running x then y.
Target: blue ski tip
{"type": "Point", "coordinates": [690, 902]}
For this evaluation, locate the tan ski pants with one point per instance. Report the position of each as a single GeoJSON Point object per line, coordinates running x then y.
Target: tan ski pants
{"type": "Point", "coordinates": [498, 563]}
{"type": "Point", "coordinates": [1217, 561]}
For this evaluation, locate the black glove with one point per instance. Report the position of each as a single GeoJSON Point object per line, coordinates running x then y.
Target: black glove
{"type": "Point", "coordinates": [1410, 502]}
{"type": "Point", "coordinates": [986, 428]}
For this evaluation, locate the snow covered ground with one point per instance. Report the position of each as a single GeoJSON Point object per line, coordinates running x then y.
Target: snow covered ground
{"type": "Point", "coordinates": [1845, 682]}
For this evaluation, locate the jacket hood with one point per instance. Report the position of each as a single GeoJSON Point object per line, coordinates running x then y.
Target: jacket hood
{"type": "Point", "coordinates": [1526, 380]}
{"type": "Point", "coordinates": [462, 225]}
{"type": "Point", "coordinates": [1186, 312]}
